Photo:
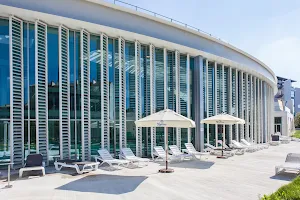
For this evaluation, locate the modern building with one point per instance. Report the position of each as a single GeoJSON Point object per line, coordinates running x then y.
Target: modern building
{"type": "Point", "coordinates": [76, 74]}
{"type": "Point", "coordinates": [297, 100]}
{"type": "Point", "coordinates": [284, 107]}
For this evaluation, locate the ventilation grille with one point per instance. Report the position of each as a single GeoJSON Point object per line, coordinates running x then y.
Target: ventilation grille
{"type": "Point", "coordinates": [16, 96]}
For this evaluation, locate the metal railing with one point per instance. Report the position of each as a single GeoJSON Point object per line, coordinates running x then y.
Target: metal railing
{"type": "Point", "coordinates": [137, 8]}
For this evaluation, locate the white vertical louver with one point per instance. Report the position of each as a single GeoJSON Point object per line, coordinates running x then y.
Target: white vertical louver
{"type": "Point", "coordinates": [152, 93]}
{"type": "Point", "coordinates": [138, 104]}
{"type": "Point", "coordinates": [251, 109]}
{"type": "Point", "coordinates": [247, 107]}
{"type": "Point", "coordinates": [208, 100]}
{"type": "Point", "coordinates": [16, 93]}
{"type": "Point", "coordinates": [64, 99]}
{"type": "Point", "coordinates": [237, 94]}
{"type": "Point", "coordinates": [85, 94]}
{"type": "Point", "coordinates": [177, 91]}
{"type": "Point", "coordinates": [165, 86]}
{"type": "Point", "coordinates": [216, 97]}
{"type": "Point", "coordinates": [188, 101]}
{"type": "Point", "coordinates": [122, 93]}
{"type": "Point", "coordinates": [254, 111]}
{"type": "Point", "coordinates": [230, 101]}
{"type": "Point", "coordinates": [104, 93]}
{"type": "Point", "coordinates": [41, 89]}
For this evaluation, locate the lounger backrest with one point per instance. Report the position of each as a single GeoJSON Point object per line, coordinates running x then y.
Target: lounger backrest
{"type": "Point", "coordinates": [160, 151]}
{"type": "Point", "coordinates": [224, 145]}
{"type": "Point", "coordinates": [190, 147]}
{"type": "Point", "coordinates": [127, 152]}
{"type": "Point", "coordinates": [245, 142]}
{"type": "Point", "coordinates": [175, 150]}
{"type": "Point", "coordinates": [105, 155]}
{"type": "Point", "coordinates": [293, 158]}
{"type": "Point", "coordinates": [34, 160]}
{"type": "Point", "coordinates": [209, 146]}
{"type": "Point", "coordinates": [237, 144]}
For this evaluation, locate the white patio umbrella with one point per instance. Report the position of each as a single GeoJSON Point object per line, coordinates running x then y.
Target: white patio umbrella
{"type": "Point", "coordinates": [223, 119]}
{"type": "Point", "coordinates": [165, 118]}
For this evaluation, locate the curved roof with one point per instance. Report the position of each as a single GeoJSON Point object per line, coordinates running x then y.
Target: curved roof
{"type": "Point", "coordinates": [99, 16]}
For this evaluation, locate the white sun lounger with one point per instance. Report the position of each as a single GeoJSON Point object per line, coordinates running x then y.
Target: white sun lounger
{"type": "Point", "coordinates": [105, 157]}
{"type": "Point", "coordinates": [292, 163]}
{"type": "Point", "coordinates": [174, 150]}
{"type": "Point", "coordinates": [255, 147]}
{"type": "Point", "coordinates": [160, 153]}
{"type": "Point", "coordinates": [190, 149]}
{"type": "Point", "coordinates": [214, 150]}
{"type": "Point", "coordinates": [235, 151]}
{"type": "Point", "coordinates": [127, 154]}
{"type": "Point", "coordinates": [237, 145]}
{"type": "Point", "coordinates": [85, 166]}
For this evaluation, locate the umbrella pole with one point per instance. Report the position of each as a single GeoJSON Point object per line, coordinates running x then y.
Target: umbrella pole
{"type": "Point", "coordinates": [166, 146]}
{"type": "Point", "coordinates": [223, 141]}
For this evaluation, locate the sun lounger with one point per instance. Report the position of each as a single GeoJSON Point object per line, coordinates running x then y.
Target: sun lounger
{"type": "Point", "coordinates": [105, 157]}
{"type": "Point", "coordinates": [217, 151]}
{"type": "Point", "coordinates": [292, 163]}
{"type": "Point", "coordinates": [190, 149]}
{"type": "Point", "coordinates": [160, 153]}
{"type": "Point", "coordinates": [255, 147]}
{"type": "Point", "coordinates": [237, 145]}
{"type": "Point", "coordinates": [34, 162]}
{"type": "Point", "coordinates": [127, 154]}
{"type": "Point", "coordinates": [80, 167]}
{"type": "Point", "coordinates": [174, 150]}
{"type": "Point", "coordinates": [284, 139]}
{"type": "Point", "coordinates": [235, 151]}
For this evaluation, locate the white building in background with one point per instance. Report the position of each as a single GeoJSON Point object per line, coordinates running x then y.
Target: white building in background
{"type": "Point", "coordinates": [284, 107]}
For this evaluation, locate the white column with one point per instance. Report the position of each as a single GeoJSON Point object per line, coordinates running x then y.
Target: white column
{"type": "Point", "coordinates": [188, 94]}
{"type": "Point", "coordinates": [177, 85]}
{"type": "Point", "coordinates": [152, 94]}
{"type": "Point", "coordinates": [138, 105]}
{"type": "Point", "coordinates": [262, 110]}
{"type": "Point", "coordinates": [223, 103]}
{"type": "Point", "coordinates": [207, 104]}
{"type": "Point", "coordinates": [166, 90]}
{"type": "Point", "coordinates": [258, 111]}
{"type": "Point", "coordinates": [255, 108]}
{"type": "Point", "coordinates": [236, 103]}
{"type": "Point", "coordinates": [230, 102]}
{"type": "Point", "coordinates": [251, 109]}
{"type": "Point", "coordinates": [216, 103]}
{"type": "Point", "coordinates": [247, 108]}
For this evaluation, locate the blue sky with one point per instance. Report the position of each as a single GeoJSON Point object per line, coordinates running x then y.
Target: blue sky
{"type": "Point", "coordinates": [267, 29]}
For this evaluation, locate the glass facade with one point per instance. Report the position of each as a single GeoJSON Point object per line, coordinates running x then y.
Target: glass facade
{"type": "Point", "coordinates": [166, 81]}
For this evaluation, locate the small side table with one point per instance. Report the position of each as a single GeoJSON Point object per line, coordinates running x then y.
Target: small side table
{"type": "Point", "coordinates": [8, 173]}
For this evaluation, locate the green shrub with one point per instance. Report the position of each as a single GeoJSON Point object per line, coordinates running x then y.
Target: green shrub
{"type": "Point", "coordinates": [290, 191]}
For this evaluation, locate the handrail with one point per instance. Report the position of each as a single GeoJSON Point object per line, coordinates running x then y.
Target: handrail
{"type": "Point", "coordinates": [137, 8]}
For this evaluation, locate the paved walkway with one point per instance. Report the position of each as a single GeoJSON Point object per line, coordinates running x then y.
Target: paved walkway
{"type": "Point", "coordinates": [240, 177]}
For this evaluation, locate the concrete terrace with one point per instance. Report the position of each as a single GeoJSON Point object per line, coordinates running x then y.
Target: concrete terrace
{"type": "Point", "coordinates": [240, 177]}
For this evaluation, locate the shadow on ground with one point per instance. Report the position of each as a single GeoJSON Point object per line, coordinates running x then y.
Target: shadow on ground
{"type": "Point", "coordinates": [285, 176]}
{"type": "Point", "coordinates": [104, 183]}
{"type": "Point", "coordinates": [193, 164]}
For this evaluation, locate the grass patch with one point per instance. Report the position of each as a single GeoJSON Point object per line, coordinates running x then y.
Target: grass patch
{"type": "Point", "coordinates": [296, 134]}
{"type": "Point", "coordinates": [290, 191]}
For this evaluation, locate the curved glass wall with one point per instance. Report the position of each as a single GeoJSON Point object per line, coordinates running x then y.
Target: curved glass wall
{"type": "Point", "coordinates": [225, 90]}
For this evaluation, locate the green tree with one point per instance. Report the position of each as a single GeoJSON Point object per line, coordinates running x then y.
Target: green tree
{"type": "Point", "coordinates": [297, 120]}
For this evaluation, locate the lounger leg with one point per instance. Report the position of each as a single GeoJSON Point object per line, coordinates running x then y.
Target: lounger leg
{"type": "Point", "coordinates": [20, 173]}
{"type": "Point", "coordinates": [43, 171]}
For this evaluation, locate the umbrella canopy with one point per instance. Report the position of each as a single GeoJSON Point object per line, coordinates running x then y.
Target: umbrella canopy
{"type": "Point", "coordinates": [224, 119]}
{"type": "Point", "coordinates": [165, 118]}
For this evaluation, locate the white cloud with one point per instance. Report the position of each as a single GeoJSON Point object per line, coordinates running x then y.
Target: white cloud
{"type": "Point", "coordinates": [283, 57]}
